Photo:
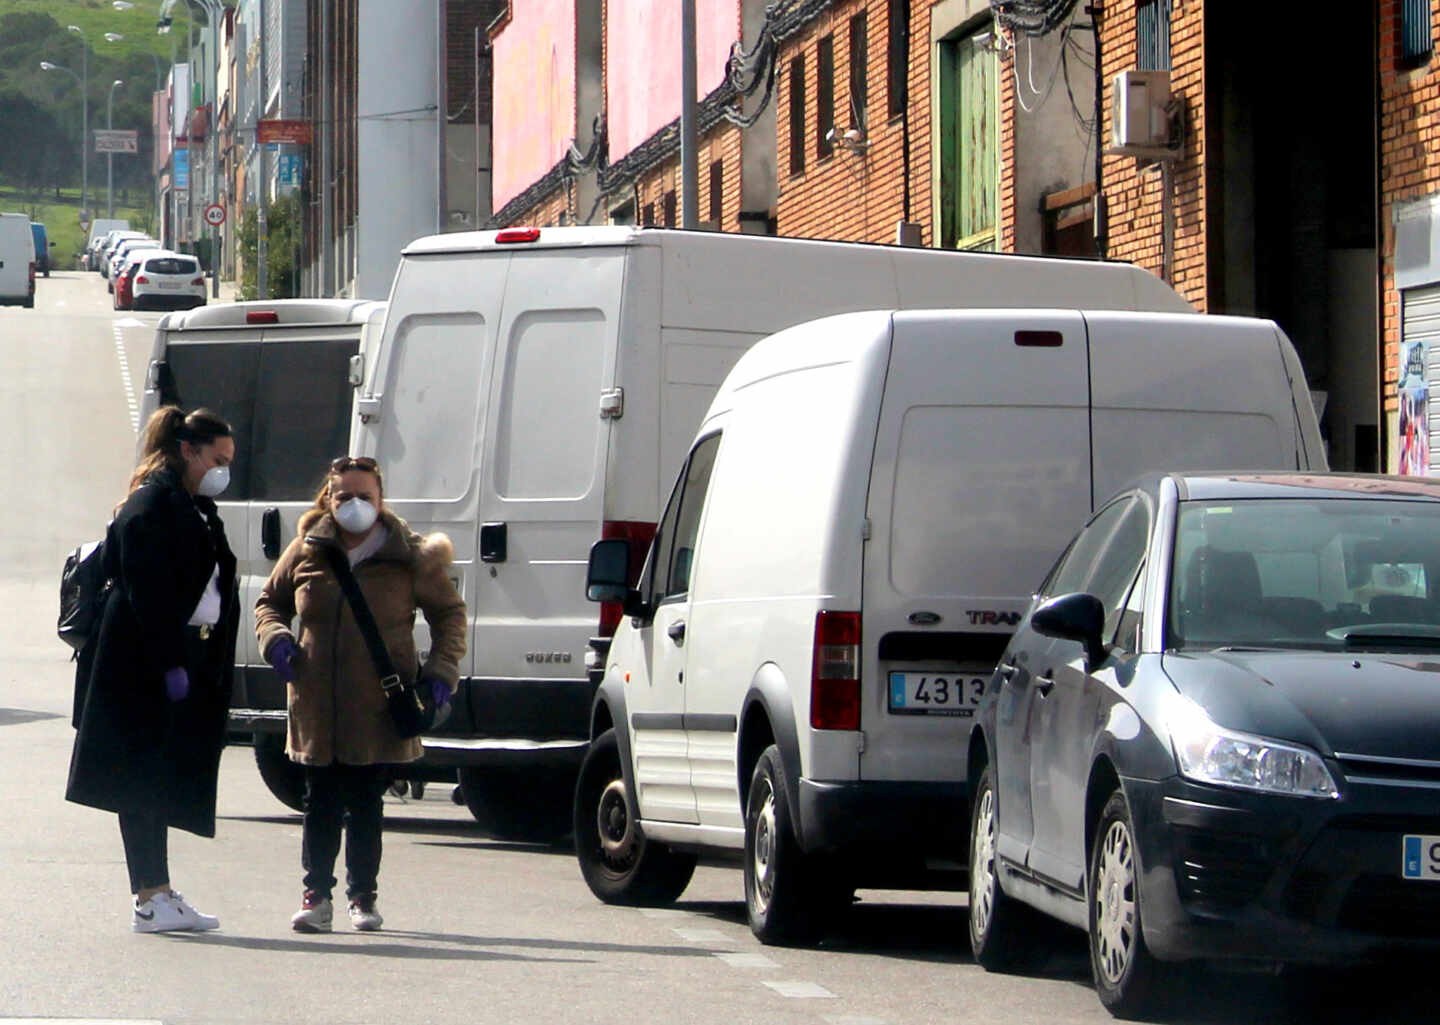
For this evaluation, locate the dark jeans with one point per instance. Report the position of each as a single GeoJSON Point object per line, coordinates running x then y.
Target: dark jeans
{"type": "Point", "coordinates": [146, 850]}
{"type": "Point", "coordinates": [343, 795]}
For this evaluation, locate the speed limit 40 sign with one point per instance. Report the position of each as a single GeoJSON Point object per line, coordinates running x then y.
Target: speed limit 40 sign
{"type": "Point", "coordinates": [214, 215]}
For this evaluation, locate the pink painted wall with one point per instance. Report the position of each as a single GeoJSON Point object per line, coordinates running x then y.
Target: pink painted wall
{"type": "Point", "coordinates": [534, 119]}
{"type": "Point", "coordinates": [643, 63]}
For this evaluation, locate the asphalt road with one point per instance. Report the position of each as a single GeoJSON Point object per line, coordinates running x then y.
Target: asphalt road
{"type": "Point", "coordinates": [476, 931]}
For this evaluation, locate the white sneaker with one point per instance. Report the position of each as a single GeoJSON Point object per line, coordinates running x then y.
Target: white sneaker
{"type": "Point", "coordinates": [157, 915]}
{"type": "Point", "coordinates": [315, 915]}
{"type": "Point", "coordinates": [196, 920]}
{"type": "Point", "coordinates": [363, 914]}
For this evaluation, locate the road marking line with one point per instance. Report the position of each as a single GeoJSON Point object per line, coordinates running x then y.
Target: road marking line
{"type": "Point", "coordinates": [747, 960]}
{"type": "Point", "coordinates": [665, 913]}
{"type": "Point", "coordinates": [801, 990]}
{"type": "Point", "coordinates": [702, 936]}
{"type": "Point", "coordinates": [125, 380]}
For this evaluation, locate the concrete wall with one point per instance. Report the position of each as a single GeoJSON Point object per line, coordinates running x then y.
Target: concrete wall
{"type": "Point", "coordinates": [643, 55]}
{"type": "Point", "coordinates": [397, 152]}
{"type": "Point", "coordinates": [535, 113]}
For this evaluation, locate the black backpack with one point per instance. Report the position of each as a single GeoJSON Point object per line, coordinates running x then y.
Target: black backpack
{"type": "Point", "coordinates": [83, 590]}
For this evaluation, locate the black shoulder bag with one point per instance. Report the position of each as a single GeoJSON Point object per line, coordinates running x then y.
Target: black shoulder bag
{"type": "Point", "coordinates": [412, 712]}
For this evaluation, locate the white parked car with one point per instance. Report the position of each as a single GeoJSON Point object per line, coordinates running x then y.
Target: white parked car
{"type": "Point", "coordinates": [169, 281]}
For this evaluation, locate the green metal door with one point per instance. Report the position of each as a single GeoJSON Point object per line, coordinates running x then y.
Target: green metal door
{"type": "Point", "coordinates": [968, 147]}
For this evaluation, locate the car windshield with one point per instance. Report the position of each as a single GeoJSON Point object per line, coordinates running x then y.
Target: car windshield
{"type": "Point", "coordinates": [1323, 573]}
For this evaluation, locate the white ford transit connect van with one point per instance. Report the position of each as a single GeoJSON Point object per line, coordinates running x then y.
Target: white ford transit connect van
{"type": "Point", "coordinates": [535, 389]}
{"type": "Point", "coordinates": [17, 261]}
{"type": "Point", "coordinates": [856, 529]}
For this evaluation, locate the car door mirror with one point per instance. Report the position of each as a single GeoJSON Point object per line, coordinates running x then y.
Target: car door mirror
{"type": "Point", "coordinates": [1074, 617]}
{"type": "Point", "coordinates": [607, 578]}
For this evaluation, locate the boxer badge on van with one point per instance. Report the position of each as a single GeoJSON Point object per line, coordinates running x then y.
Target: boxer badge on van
{"type": "Point", "coordinates": [990, 617]}
{"type": "Point", "coordinates": [547, 656]}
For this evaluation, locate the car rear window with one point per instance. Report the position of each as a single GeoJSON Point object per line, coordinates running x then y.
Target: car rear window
{"type": "Point", "coordinates": [171, 265]}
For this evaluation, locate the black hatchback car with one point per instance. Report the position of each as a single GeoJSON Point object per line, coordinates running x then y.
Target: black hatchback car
{"type": "Point", "coordinates": [1216, 733]}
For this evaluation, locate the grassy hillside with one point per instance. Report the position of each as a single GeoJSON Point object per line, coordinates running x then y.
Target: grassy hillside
{"type": "Point", "coordinates": [60, 216]}
{"type": "Point", "coordinates": [96, 17]}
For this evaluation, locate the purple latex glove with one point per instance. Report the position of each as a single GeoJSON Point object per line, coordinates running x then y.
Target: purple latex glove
{"type": "Point", "coordinates": [177, 683]}
{"type": "Point", "coordinates": [282, 656]}
{"type": "Point", "coordinates": [440, 691]}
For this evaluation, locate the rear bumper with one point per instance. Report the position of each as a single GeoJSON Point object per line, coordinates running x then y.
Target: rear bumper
{"type": "Point", "coordinates": [903, 825]}
{"type": "Point", "coordinates": [541, 724]}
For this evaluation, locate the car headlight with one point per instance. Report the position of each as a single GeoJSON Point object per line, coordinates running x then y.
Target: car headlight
{"type": "Point", "coordinates": [1207, 753]}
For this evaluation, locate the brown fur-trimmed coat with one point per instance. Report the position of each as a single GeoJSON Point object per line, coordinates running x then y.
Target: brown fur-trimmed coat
{"type": "Point", "coordinates": [337, 710]}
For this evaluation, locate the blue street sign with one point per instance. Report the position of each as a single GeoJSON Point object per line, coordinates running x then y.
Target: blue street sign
{"type": "Point", "coordinates": [180, 162]}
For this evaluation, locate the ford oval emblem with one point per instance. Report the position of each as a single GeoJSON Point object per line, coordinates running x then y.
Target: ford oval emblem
{"type": "Point", "coordinates": [924, 618]}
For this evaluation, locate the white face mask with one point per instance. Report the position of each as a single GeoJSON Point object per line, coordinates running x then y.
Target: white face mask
{"type": "Point", "coordinates": [356, 515]}
{"type": "Point", "coordinates": [216, 480]}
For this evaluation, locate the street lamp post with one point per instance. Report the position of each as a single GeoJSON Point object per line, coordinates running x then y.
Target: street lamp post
{"type": "Point", "coordinates": [84, 119]}
{"type": "Point", "coordinates": [85, 122]}
{"type": "Point", "coordinates": [110, 157]}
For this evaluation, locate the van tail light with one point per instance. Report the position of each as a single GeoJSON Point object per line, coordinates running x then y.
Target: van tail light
{"type": "Point", "coordinates": [511, 236]}
{"type": "Point", "coordinates": [32, 272]}
{"type": "Point", "coordinates": [835, 675]}
{"type": "Point", "coordinates": [142, 280]}
{"type": "Point", "coordinates": [639, 534]}
{"type": "Point", "coordinates": [198, 281]}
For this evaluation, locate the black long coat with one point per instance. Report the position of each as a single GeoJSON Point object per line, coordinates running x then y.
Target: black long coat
{"type": "Point", "coordinates": [135, 750]}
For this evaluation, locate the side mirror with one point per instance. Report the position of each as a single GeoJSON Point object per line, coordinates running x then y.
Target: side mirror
{"type": "Point", "coordinates": [1074, 617]}
{"type": "Point", "coordinates": [607, 578]}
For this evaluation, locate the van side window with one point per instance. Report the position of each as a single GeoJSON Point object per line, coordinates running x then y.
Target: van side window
{"type": "Point", "coordinates": [674, 550]}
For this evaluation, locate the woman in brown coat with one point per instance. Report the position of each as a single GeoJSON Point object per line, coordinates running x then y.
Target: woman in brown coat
{"type": "Point", "coordinates": [339, 726]}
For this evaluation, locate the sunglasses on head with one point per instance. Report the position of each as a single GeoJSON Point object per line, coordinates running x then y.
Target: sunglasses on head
{"type": "Point", "coordinates": [354, 463]}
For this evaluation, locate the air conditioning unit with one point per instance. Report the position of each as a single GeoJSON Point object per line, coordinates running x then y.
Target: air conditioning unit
{"type": "Point", "coordinates": [1139, 121]}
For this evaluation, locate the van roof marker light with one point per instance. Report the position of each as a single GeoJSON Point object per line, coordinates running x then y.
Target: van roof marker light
{"type": "Point", "coordinates": [510, 236]}
{"type": "Point", "coordinates": [262, 317]}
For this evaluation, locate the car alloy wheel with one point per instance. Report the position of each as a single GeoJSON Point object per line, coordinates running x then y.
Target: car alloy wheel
{"type": "Point", "coordinates": [1115, 911]}
{"type": "Point", "coordinates": [983, 883]}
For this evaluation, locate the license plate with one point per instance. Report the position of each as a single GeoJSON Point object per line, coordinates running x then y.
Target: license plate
{"type": "Point", "coordinates": [1422, 858]}
{"type": "Point", "coordinates": [937, 693]}
{"type": "Point", "coordinates": [169, 284]}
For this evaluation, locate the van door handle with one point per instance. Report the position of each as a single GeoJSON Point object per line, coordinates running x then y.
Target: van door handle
{"type": "Point", "coordinates": [270, 533]}
{"type": "Point", "coordinates": [1046, 683]}
{"type": "Point", "coordinates": [1007, 671]}
{"type": "Point", "coordinates": [676, 631]}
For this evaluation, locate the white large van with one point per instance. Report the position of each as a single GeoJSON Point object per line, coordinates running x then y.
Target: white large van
{"type": "Point", "coordinates": [535, 389]}
{"type": "Point", "coordinates": [280, 373]}
{"type": "Point", "coordinates": [17, 261]}
{"type": "Point", "coordinates": [856, 529]}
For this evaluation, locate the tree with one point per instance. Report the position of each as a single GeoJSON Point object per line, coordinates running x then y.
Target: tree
{"type": "Point", "coordinates": [282, 250]}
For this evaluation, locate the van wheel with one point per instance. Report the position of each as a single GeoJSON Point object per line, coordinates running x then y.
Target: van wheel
{"type": "Point", "coordinates": [284, 778]}
{"type": "Point", "coordinates": [790, 896]}
{"type": "Point", "coordinates": [1125, 972]}
{"type": "Point", "coordinates": [519, 805]}
{"type": "Point", "coordinates": [1000, 927]}
{"type": "Point", "coordinates": [619, 864]}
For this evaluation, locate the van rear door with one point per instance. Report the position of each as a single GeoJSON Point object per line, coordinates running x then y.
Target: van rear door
{"type": "Point", "coordinates": [285, 391]}
{"type": "Point", "coordinates": [981, 472]}
{"type": "Point", "coordinates": [1178, 392]}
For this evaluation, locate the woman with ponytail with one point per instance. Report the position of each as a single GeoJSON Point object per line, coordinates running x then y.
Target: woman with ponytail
{"type": "Point", "coordinates": [153, 687]}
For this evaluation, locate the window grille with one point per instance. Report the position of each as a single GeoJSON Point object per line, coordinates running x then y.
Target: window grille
{"type": "Point", "coordinates": [1152, 35]}
{"type": "Point", "coordinates": [1415, 36]}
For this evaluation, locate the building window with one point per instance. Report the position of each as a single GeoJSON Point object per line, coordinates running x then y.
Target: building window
{"type": "Point", "coordinates": [859, 67]}
{"type": "Point", "coordinates": [670, 209]}
{"type": "Point", "coordinates": [717, 195]}
{"type": "Point", "coordinates": [825, 98]}
{"type": "Point", "coordinates": [797, 115]}
{"type": "Point", "coordinates": [967, 106]}
{"type": "Point", "coordinates": [647, 216]}
{"type": "Point", "coordinates": [623, 213]}
{"type": "Point", "coordinates": [1152, 35]}
{"type": "Point", "coordinates": [897, 63]}
{"type": "Point", "coordinates": [1415, 36]}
